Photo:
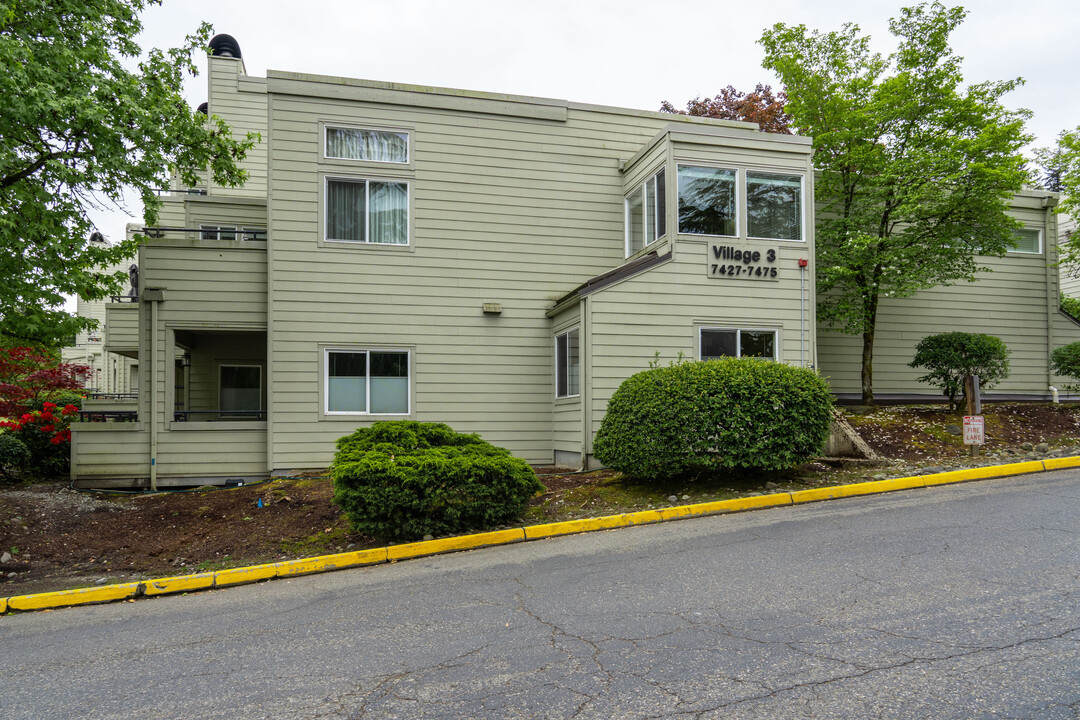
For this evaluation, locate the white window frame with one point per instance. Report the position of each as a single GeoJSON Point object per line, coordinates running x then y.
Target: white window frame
{"type": "Point", "coordinates": [240, 413]}
{"type": "Point", "coordinates": [740, 198]}
{"type": "Point", "coordinates": [396, 131]}
{"type": "Point", "coordinates": [1039, 234]}
{"type": "Point", "coordinates": [566, 333]}
{"type": "Point", "coordinates": [802, 202]}
{"type": "Point", "coordinates": [327, 179]}
{"type": "Point", "coordinates": [738, 338]}
{"type": "Point", "coordinates": [646, 214]}
{"type": "Point", "coordinates": [367, 390]}
{"type": "Point", "coordinates": [217, 230]}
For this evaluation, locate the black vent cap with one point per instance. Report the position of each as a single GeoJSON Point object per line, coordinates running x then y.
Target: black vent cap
{"type": "Point", "coordinates": [225, 46]}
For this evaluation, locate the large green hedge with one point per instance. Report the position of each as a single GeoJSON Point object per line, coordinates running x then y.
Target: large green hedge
{"type": "Point", "coordinates": [402, 480]}
{"type": "Point", "coordinates": [725, 414]}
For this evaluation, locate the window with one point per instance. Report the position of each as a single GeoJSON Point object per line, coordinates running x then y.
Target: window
{"type": "Point", "coordinates": [369, 145]}
{"type": "Point", "coordinates": [372, 382]}
{"type": "Point", "coordinates": [1026, 241]}
{"type": "Point", "coordinates": [567, 365]}
{"type": "Point", "coordinates": [773, 206]}
{"type": "Point", "coordinates": [646, 214]}
{"type": "Point", "coordinates": [217, 232]}
{"type": "Point", "coordinates": [367, 211]}
{"type": "Point", "coordinates": [240, 389]}
{"type": "Point", "coordinates": [252, 233]}
{"type": "Point", "coordinates": [717, 343]}
{"type": "Point", "coordinates": [707, 200]}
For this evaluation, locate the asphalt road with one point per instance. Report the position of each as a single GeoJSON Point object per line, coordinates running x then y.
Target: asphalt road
{"type": "Point", "coordinates": [950, 602]}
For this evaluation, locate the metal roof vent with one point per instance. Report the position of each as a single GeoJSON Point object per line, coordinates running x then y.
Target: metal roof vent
{"type": "Point", "coordinates": [225, 46]}
{"type": "Point", "coordinates": [203, 109]}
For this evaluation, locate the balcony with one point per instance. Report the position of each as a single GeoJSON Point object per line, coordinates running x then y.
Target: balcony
{"type": "Point", "coordinates": [122, 326]}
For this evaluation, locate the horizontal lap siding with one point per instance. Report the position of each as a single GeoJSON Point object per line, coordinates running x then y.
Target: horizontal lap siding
{"type": "Point", "coordinates": [1010, 303]}
{"type": "Point", "coordinates": [122, 326]}
{"type": "Point", "coordinates": [204, 285]}
{"type": "Point", "coordinates": [107, 452]}
{"type": "Point", "coordinates": [234, 101]}
{"type": "Point", "coordinates": [507, 210]}
{"type": "Point", "coordinates": [212, 453]}
{"type": "Point", "coordinates": [634, 320]}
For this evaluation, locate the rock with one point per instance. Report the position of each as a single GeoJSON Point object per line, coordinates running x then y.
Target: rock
{"type": "Point", "coordinates": [5, 558]}
{"type": "Point", "coordinates": [101, 581]}
{"type": "Point", "coordinates": [932, 469]}
{"type": "Point", "coordinates": [1028, 447]}
{"type": "Point", "coordinates": [879, 476]}
{"type": "Point", "coordinates": [685, 497]}
{"type": "Point", "coordinates": [954, 430]}
{"type": "Point", "coordinates": [1031, 455]}
{"type": "Point", "coordinates": [673, 498]}
{"type": "Point", "coordinates": [1042, 448]}
{"type": "Point", "coordinates": [771, 485]}
{"type": "Point", "coordinates": [429, 537]}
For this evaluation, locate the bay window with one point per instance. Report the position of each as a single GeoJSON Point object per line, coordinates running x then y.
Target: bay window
{"type": "Point", "coordinates": [567, 365]}
{"type": "Point", "coordinates": [646, 213]}
{"type": "Point", "coordinates": [773, 206]}
{"type": "Point", "coordinates": [707, 201]}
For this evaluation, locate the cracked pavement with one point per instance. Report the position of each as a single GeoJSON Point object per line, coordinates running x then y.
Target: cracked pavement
{"type": "Point", "coordinates": [949, 602]}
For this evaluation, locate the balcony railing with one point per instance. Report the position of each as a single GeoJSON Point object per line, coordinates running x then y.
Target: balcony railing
{"type": "Point", "coordinates": [100, 416]}
{"type": "Point", "coordinates": [209, 233]}
{"type": "Point", "coordinates": [223, 415]}
{"type": "Point", "coordinates": [95, 395]}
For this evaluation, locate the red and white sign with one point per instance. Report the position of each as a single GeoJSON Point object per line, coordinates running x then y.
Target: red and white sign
{"type": "Point", "coordinates": [974, 430]}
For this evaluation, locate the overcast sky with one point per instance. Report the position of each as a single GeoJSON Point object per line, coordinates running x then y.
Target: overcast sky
{"type": "Point", "coordinates": [629, 53]}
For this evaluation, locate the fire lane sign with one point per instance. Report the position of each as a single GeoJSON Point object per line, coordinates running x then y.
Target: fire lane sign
{"type": "Point", "coordinates": [974, 430]}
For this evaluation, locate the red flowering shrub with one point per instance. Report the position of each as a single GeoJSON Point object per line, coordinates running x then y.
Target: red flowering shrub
{"type": "Point", "coordinates": [47, 436]}
{"type": "Point", "coordinates": [29, 377]}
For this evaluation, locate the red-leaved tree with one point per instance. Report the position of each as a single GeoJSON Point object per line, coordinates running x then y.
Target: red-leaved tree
{"type": "Point", "coordinates": [761, 107]}
{"type": "Point", "coordinates": [29, 378]}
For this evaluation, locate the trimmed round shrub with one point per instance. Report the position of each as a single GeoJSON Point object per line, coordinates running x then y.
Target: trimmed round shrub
{"type": "Point", "coordinates": [1065, 361]}
{"type": "Point", "coordinates": [721, 415]}
{"type": "Point", "coordinates": [14, 456]}
{"type": "Point", "coordinates": [950, 357]}
{"type": "Point", "coordinates": [402, 480]}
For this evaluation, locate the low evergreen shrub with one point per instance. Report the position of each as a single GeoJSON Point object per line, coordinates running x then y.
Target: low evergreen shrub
{"type": "Point", "coordinates": [1065, 361]}
{"type": "Point", "coordinates": [402, 480]}
{"type": "Point", "coordinates": [13, 455]}
{"type": "Point", "coordinates": [950, 357]}
{"type": "Point", "coordinates": [721, 415]}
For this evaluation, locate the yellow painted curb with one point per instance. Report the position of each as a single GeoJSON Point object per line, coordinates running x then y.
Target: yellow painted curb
{"type": "Point", "coordinates": [83, 596]}
{"type": "Point", "coordinates": [1059, 463]}
{"type": "Point", "coordinates": [451, 544]}
{"type": "Point", "coordinates": [982, 473]}
{"type": "Point", "coordinates": [866, 488]}
{"type": "Point", "coordinates": [325, 563]}
{"type": "Point", "coordinates": [717, 507]}
{"type": "Point", "coordinates": [180, 583]}
{"type": "Point", "coordinates": [240, 576]}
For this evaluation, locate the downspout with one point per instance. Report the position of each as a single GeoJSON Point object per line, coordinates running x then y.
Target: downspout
{"type": "Point", "coordinates": [153, 394]}
{"type": "Point", "coordinates": [154, 296]}
{"type": "Point", "coordinates": [1053, 299]}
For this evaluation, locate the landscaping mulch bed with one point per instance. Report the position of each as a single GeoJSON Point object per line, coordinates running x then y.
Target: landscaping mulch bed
{"type": "Point", "coordinates": [53, 537]}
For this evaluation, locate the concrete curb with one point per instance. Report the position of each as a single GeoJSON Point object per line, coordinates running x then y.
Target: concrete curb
{"type": "Point", "coordinates": [325, 563]}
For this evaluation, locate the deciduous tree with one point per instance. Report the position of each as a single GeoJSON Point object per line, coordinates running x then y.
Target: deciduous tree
{"type": "Point", "coordinates": [77, 129]}
{"type": "Point", "coordinates": [760, 106]}
{"type": "Point", "coordinates": [915, 167]}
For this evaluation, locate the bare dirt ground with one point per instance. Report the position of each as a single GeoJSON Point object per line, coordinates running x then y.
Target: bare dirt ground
{"type": "Point", "coordinates": [53, 537]}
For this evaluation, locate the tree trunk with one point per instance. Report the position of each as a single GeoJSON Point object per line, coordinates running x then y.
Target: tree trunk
{"type": "Point", "coordinates": [869, 326]}
{"type": "Point", "coordinates": [868, 367]}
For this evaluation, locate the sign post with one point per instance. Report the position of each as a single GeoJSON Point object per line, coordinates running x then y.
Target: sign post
{"type": "Point", "coordinates": [974, 422]}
